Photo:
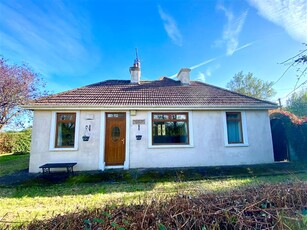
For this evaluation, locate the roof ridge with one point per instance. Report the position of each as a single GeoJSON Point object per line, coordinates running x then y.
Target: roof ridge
{"type": "Point", "coordinates": [101, 82]}
{"type": "Point", "coordinates": [166, 78]}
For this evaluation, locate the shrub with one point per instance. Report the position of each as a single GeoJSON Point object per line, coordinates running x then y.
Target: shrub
{"type": "Point", "coordinates": [296, 133]}
{"type": "Point", "coordinates": [15, 142]}
{"type": "Point", "coordinates": [280, 206]}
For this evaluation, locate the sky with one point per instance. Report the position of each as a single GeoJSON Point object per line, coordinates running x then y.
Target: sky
{"type": "Point", "coordinates": [80, 42]}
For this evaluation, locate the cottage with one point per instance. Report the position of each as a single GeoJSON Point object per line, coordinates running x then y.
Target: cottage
{"type": "Point", "coordinates": [150, 124]}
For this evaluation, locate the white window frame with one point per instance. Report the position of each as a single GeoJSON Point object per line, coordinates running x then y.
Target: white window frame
{"type": "Point", "coordinates": [53, 132]}
{"type": "Point", "coordinates": [244, 130]}
{"type": "Point", "coordinates": [190, 125]}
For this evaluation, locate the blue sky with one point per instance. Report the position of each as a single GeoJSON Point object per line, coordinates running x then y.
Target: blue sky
{"type": "Point", "coordinates": [76, 43]}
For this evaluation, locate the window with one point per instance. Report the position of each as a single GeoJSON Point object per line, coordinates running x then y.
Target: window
{"type": "Point", "coordinates": [115, 133]}
{"type": "Point", "coordinates": [65, 130]}
{"type": "Point", "coordinates": [234, 127]}
{"type": "Point", "coordinates": [170, 128]}
{"type": "Point", "coordinates": [116, 115]}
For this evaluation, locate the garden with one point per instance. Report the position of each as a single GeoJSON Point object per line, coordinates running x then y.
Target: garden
{"type": "Point", "coordinates": [238, 197]}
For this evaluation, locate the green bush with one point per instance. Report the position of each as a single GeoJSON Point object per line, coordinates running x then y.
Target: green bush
{"type": "Point", "coordinates": [15, 142]}
{"type": "Point", "coordinates": [296, 133]}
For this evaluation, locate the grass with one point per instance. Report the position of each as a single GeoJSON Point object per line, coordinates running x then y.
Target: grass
{"type": "Point", "coordinates": [41, 198]}
{"type": "Point", "coordinates": [277, 206]}
{"type": "Point", "coordinates": [10, 163]}
{"type": "Point", "coordinates": [25, 203]}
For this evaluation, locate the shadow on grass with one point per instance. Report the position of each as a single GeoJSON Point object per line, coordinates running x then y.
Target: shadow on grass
{"type": "Point", "coordinates": [10, 163]}
{"type": "Point", "coordinates": [142, 180]}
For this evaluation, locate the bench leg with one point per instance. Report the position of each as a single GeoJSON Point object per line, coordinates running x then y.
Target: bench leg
{"type": "Point", "coordinates": [70, 169]}
{"type": "Point", "coordinates": [46, 170]}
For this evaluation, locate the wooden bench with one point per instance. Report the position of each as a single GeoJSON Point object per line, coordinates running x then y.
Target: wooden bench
{"type": "Point", "coordinates": [69, 166]}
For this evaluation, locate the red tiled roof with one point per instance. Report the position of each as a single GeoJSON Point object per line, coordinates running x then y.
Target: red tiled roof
{"type": "Point", "coordinates": [161, 93]}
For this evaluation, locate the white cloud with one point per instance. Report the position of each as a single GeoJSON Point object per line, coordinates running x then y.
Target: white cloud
{"type": "Point", "coordinates": [170, 27]}
{"type": "Point", "coordinates": [47, 35]}
{"type": "Point", "coordinates": [208, 72]}
{"type": "Point", "coordinates": [198, 65]}
{"type": "Point", "coordinates": [289, 14]}
{"type": "Point", "coordinates": [203, 63]}
{"type": "Point", "coordinates": [231, 31]}
{"type": "Point", "coordinates": [200, 77]}
{"type": "Point", "coordinates": [203, 75]}
{"type": "Point", "coordinates": [244, 46]}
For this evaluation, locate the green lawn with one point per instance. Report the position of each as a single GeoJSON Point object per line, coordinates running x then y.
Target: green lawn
{"type": "Point", "coordinates": [41, 199]}
{"type": "Point", "coordinates": [10, 163]}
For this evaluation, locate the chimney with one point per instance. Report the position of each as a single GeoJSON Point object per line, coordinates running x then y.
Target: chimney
{"type": "Point", "coordinates": [135, 71]}
{"type": "Point", "coordinates": [184, 76]}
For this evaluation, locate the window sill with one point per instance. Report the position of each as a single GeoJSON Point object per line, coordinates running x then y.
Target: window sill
{"type": "Point", "coordinates": [169, 146]}
{"type": "Point", "coordinates": [237, 145]}
{"type": "Point", "coordinates": [62, 149]}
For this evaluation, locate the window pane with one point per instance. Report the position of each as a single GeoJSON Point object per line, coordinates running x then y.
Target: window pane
{"type": "Point", "coordinates": [66, 135]}
{"type": "Point", "coordinates": [233, 116]}
{"type": "Point", "coordinates": [170, 128]}
{"type": "Point", "coordinates": [171, 116]}
{"type": "Point", "coordinates": [170, 133]}
{"type": "Point", "coordinates": [115, 133]}
{"type": "Point", "coordinates": [181, 117]}
{"type": "Point", "coordinates": [66, 117]}
{"type": "Point", "coordinates": [116, 115]}
{"type": "Point", "coordinates": [65, 130]}
{"type": "Point", "coordinates": [234, 130]}
{"type": "Point", "coordinates": [161, 117]}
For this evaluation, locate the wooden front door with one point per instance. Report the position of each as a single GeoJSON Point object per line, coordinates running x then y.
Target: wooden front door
{"type": "Point", "coordinates": [115, 139]}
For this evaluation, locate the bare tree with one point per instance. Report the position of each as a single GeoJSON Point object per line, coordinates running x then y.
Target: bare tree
{"type": "Point", "coordinates": [298, 61]}
{"type": "Point", "coordinates": [18, 86]}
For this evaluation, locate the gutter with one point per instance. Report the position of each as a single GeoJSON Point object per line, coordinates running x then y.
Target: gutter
{"type": "Point", "coordinates": [151, 108]}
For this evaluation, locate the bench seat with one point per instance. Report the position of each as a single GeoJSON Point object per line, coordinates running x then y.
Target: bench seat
{"type": "Point", "coordinates": [69, 166]}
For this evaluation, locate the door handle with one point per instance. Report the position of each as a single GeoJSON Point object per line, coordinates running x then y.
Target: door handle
{"type": "Point", "coordinates": [123, 140]}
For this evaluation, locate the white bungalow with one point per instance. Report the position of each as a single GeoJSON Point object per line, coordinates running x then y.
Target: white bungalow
{"type": "Point", "coordinates": [150, 124]}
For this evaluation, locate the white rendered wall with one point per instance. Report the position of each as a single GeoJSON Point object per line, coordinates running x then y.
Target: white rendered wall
{"type": "Point", "coordinates": [209, 145]}
{"type": "Point", "coordinates": [87, 153]}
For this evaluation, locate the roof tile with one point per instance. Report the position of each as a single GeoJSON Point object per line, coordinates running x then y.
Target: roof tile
{"type": "Point", "coordinates": [163, 92]}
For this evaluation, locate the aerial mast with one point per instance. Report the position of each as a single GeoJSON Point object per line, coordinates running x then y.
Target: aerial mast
{"type": "Point", "coordinates": [137, 62]}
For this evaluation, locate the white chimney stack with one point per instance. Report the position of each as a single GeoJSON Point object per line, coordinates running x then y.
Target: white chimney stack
{"type": "Point", "coordinates": [135, 73]}
{"type": "Point", "coordinates": [135, 70]}
{"type": "Point", "coordinates": [184, 76]}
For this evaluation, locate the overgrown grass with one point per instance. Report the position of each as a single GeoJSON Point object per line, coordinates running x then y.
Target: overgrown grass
{"type": "Point", "coordinates": [25, 203]}
{"type": "Point", "coordinates": [270, 206]}
{"type": "Point", "coordinates": [43, 198]}
{"type": "Point", "coordinates": [10, 163]}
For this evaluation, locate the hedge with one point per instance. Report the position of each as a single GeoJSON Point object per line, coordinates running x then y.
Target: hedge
{"type": "Point", "coordinates": [15, 142]}
{"type": "Point", "coordinates": [296, 133]}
